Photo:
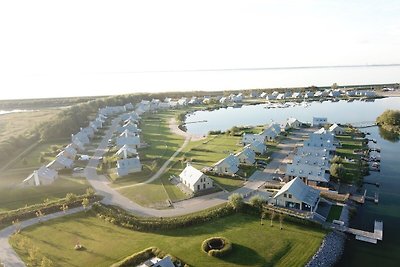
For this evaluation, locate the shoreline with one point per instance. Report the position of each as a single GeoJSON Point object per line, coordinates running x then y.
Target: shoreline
{"type": "Point", "coordinates": [174, 128]}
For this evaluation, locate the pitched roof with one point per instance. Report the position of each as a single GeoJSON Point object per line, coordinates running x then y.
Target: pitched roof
{"type": "Point", "coordinates": [247, 152]}
{"type": "Point", "coordinates": [191, 175]}
{"type": "Point", "coordinates": [311, 172]}
{"type": "Point", "coordinates": [300, 191]}
{"type": "Point", "coordinates": [231, 160]}
{"type": "Point", "coordinates": [334, 127]}
{"type": "Point", "coordinates": [126, 149]}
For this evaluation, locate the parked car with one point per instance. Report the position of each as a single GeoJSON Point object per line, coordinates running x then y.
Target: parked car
{"type": "Point", "coordinates": [78, 169]}
{"type": "Point", "coordinates": [277, 178]}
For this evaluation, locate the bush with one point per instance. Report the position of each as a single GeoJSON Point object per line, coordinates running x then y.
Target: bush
{"type": "Point", "coordinates": [236, 201]}
{"type": "Point", "coordinates": [144, 255]}
{"type": "Point", "coordinates": [121, 218]}
{"type": "Point", "coordinates": [29, 212]}
{"type": "Point", "coordinates": [226, 246]}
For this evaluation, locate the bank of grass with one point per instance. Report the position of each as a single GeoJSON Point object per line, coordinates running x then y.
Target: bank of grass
{"type": "Point", "coordinates": [17, 197]}
{"type": "Point", "coordinates": [105, 243]}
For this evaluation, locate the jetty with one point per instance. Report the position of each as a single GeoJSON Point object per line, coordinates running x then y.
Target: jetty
{"type": "Point", "coordinates": [364, 124]}
{"type": "Point", "coordinates": [362, 198]}
{"type": "Point", "coordinates": [370, 237]}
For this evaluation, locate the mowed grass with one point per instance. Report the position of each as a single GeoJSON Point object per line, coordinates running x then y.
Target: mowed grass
{"type": "Point", "coordinates": [206, 153]}
{"type": "Point", "coordinates": [162, 145]}
{"type": "Point", "coordinates": [105, 243]}
{"type": "Point", "coordinates": [32, 159]}
{"type": "Point", "coordinates": [17, 197]}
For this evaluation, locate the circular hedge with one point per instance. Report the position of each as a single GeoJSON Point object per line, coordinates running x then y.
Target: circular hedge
{"type": "Point", "coordinates": [216, 246]}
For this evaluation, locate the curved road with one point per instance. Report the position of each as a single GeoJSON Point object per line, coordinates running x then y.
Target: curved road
{"type": "Point", "coordinates": [9, 258]}
{"type": "Point", "coordinates": [112, 197]}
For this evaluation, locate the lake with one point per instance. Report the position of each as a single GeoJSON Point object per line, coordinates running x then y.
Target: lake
{"type": "Point", "coordinates": [387, 252]}
{"type": "Point", "coordinates": [339, 112]}
{"type": "Point", "coordinates": [357, 253]}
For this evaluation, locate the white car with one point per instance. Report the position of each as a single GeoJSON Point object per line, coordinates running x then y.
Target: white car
{"type": "Point", "coordinates": [78, 169]}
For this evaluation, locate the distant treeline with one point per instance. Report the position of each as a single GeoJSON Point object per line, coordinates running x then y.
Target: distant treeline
{"type": "Point", "coordinates": [42, 103]}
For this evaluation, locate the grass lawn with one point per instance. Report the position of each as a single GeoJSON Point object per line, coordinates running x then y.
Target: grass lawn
{"type": "Point", "coordinates": [334, 213]}
{"type": "Point", "coordinates": [150, 195]}
{"type": "Point", "coordinates": [162, 145]}
{"type": "Point", "coordinates": [32, 159]}
{"type": "Point", "coordinates": [13, 198]}
{"type": "Point", "coordinates": [229, 184]}
{"type": "Point", "coordinates": [105, 243]}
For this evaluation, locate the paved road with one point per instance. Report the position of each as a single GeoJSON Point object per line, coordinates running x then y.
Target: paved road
{"type": "Point", "coordinates": [8, 257]}
{"type": "Point", "coordinates": [112, 197]}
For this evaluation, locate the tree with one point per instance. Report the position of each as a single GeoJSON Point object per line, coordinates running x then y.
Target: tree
{"type": "Point", "coordinates": [389, 117]}
{"type": "Point", "coordinates": [256, 201]}
{"type": "Point", "coordinates": [85, 203]}
{"type": "Point", "coordinates": [281, 217]}
{"type": "Point", "coordinates": [337, 170]}
{"type": "Point", "coordinates": [70, 197]}
{"type": "Point", "coordinates": [272, 216]}
{"type": "Point", "coordinates": [90, 192]}
{"type": "Point", "coordinates": [17, 225]}
{"type": "Point", "coordinates": [236, 201]}
{"type": "Point", "coordinates": [337, 159]}
{"type": "Point", "coordinates": [64, 208]}
{"type": "Point", "coordinates": [33, 255]}
{"type": "Point", "coordinates": [39, 215]}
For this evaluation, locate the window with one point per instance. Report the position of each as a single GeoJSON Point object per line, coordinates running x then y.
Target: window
{"type": "Point", "coordinates": [204, 186]}
{"type": "Point", "coordinates": [285, 195]}
{"type": "Point", "coordinates": [290, 195]}
{"type": "Point", "coordinates": [198, 187]}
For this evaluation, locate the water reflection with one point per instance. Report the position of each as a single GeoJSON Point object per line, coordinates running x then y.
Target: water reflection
{"type": "Point", "coordinates": [389, 135]}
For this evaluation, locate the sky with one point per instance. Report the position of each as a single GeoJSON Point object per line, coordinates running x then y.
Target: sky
{"type": "Point", "coordinates": [72, 48]}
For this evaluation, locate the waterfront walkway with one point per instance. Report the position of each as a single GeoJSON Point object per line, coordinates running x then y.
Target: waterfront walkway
{"type": "Point", "coordinates": [370, 237]}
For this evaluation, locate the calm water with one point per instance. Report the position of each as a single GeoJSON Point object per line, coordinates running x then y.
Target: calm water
{"type": "Point", "coordinates": [340, 112]}
{"type": "Point", "coordinates": [386, 252]}
{"type": "Point", "coordinates": [357, 253]}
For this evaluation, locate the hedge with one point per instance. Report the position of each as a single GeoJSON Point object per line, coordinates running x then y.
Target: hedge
{"type": "Point", "coordinates": [120, 217]}
{"type": "Point", "coordinates": [145, 255]}
{"type": "Point", "coordinates": [216, 252]}
{"type": "Point", "coordinates": [29, 212]}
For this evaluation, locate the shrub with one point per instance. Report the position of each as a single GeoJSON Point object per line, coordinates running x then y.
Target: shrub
{"type": "Point", "coordinates": [236, 201]}
{"type": "Point", "coordinates": [144, 255]}
{"type": "Point", "coordinates": [226, 246]}
{"type": "Point", "coordinates": [120, 217]}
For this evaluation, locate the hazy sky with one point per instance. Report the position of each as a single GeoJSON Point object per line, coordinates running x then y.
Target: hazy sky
{"type": "Point", "coordinates": [50, 48]}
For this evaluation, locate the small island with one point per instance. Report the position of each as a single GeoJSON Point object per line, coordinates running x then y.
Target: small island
{"type": "Point", "coordinates": [390, 121]}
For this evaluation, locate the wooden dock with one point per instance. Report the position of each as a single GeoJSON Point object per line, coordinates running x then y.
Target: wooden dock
{"type": "Point", "coordinates": [370, 237]}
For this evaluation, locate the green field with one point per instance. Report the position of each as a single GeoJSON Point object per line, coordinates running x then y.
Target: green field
{"type": "Point", "coordinates": [17, 197]}
{"type": "Point", "coordinates": [162, 145]}
{"type": "Point", "coordinates": [105, 243]}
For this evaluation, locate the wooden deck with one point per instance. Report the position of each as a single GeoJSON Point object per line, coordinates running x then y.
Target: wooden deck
{"type": "Point", "coordinates": [370, 237]}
